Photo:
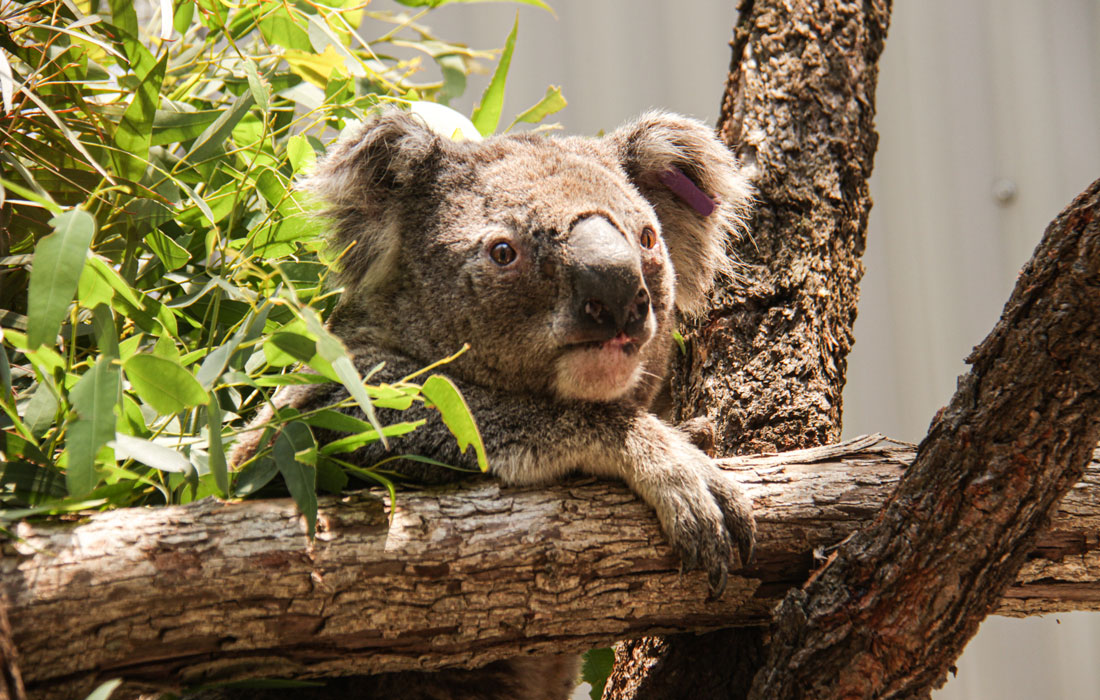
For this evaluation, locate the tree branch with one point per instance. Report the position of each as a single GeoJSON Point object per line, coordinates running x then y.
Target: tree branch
{"type": "Point", "coordinates": [898, 601]}
{"type": "Point", "coordinates": [211, 591]}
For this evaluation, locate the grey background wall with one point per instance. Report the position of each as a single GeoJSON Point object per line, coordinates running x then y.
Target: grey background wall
{"type": "Point", "coordinates": [989, 113]}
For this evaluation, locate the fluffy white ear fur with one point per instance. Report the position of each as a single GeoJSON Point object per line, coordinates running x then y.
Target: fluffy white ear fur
{"type": "Point", "coordinates": [359, 180]}
{"type": "Point", "coordinates": [652, 145]}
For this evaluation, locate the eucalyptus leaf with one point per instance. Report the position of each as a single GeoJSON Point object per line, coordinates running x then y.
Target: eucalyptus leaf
{"type": "Point", "coordinates": [163, 384]}
{"type": "Point", "coordinates": [300, 478]}
{"type": "Point", "coordinates": [151, 454]}
{"type": "Point", "coordinates": [454, 411]}
{"type": "Point", "coordinates": [93, 397]}
{"type": "Point", "coordinates": [487, 114]}
{"type": "Point", "coordinates": [58, 263]}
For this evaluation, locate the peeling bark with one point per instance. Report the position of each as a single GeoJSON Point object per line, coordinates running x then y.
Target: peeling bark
{"type": "Point", "coordinates": [168, 597]}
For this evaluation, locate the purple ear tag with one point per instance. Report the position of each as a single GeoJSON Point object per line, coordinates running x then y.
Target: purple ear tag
{"type": "Point", "coordinates": [682, 186]}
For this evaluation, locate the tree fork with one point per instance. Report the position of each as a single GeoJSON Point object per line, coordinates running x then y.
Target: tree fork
{"type": "Point", "coordinates": [898, 601]}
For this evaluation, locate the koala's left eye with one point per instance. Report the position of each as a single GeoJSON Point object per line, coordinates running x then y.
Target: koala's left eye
{"type": "Point", "coordinates": [648, 239]}
{"type": "Point", "coordinates": [502, 254]}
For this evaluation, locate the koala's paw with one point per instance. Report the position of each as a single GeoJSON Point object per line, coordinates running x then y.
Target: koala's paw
{"type": "Point", "coordinates": [709, 523]}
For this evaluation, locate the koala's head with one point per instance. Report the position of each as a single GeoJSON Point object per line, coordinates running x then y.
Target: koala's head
{"type": "Point", "coordinates": [560, 261]}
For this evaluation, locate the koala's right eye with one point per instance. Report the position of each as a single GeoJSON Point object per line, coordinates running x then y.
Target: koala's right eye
{"type": "Point", "coordinates": [502, 254]}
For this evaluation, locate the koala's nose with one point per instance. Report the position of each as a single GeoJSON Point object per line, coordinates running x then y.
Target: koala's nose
{"type": "Point", "coordinates": [610, 294]}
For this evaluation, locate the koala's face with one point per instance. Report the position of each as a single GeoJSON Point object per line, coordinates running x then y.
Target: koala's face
{"type": "Point", "coordinates": [557, 260]}
{"type": "Point", "coordinates": [550, 265]}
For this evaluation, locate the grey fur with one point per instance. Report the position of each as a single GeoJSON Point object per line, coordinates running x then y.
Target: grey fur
{"type": "Point", "coordinates": [418, 215]}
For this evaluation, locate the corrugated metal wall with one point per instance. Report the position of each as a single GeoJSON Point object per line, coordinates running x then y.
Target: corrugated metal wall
{"type": "Point", "coordinates": [989, 113]}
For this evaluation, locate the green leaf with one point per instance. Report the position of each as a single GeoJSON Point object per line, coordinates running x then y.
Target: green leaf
{"type": "Point", "coordinates": [181, 21]}
{"type": "Point", "coordinates": [210, 141]}
{"type": "Point", "coordinates": [596, 669]}
{"type": "Point", "coordinates": [163, 384]}
{"type": "Point", "coordinates": [93, 397]}
{"type": "Point", "coordinates": [254, 476]}
{"type": "Point", "coordinates": [40, 413]}
{"type": "Point", "coordinates": [124, 16]}
{"type": "Point", "coordinates": [283, 349]}
{"type": "Point", "coordinates": [487, 114]}
{"type": "Point", "coordinates": [301, 479]}
{"type": "Point", "coordinates": [150, 453]}
{"type": "Point", "coordinates": [134, 134]}
{"type": "Point", "coordinates": [218, 466]}
{"type": "Point", "coordinates": [444, 395]}
{"type": "Point", "coordinates": [330, 477]}
{"type": "Point", "coordinates": [550, 103]}
{"type": "Point", "coordinates": [301, 153]}
{"type": "Point", "coordinates": [330, 349]}
{"type": "Point", "coordinates": [261, 91]}
{"type": "Point", "coordinates": [171, 126]}
{"type": "Point", "coordinates": [58, 262]}
{"type": "Point", "coordinates": [351, 443]}
{"type": "Point", "coordinates": [172, 254]}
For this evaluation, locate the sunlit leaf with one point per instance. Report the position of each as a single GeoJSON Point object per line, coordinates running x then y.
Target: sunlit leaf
{"type": "Point", "coordinates": [301, 153]}
{"type": "Point", "coordinates": [134, 133]}
{"type": "Point", "coordinates": [58, 262]}
{"type": "Point", "coordinates": [444, 395]}
{"type": "Point", "coordinates": [151, 454]}
{"type": "Point", "coordinates": [550, 103]}
{"type": "Point", "coordinates": [171, 127]}
{"type": "Point", "coordinates": [445, 121]}
{"type": "Point", "coordinates": [261, 91]}
{"type": "Point", "coordinates": [487, 114]}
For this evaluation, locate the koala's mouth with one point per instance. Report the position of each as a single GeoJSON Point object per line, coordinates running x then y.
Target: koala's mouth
{"type": "Point", "coordinates": [622, 343]}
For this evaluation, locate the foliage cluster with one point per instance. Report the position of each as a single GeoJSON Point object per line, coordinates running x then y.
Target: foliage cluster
{"type": "Point", "coordinates": [160, 275]}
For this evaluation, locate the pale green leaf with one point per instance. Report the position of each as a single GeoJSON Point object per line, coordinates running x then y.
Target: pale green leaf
{"type": "Point", "coordinates": [444, 395]}
{"type": "Point", "coordinates": [151, 454]}
{"type": "Point", "coordinates": [58, 262]}
{"type": "Point", "coordinates": [330, 349]}
{"type": "Point", "coordinates": [163, 384]}
{"type": "Point", "coordinates": [487, 114]}
{"type": "Point", "coordinates": [550, 103]}
{"type": "Point", "coordinates": [104, 690]}
{"type": "Point", "coordinates": [261, 91]}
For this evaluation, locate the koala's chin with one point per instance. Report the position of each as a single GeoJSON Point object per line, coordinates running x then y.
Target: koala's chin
{"type": "Point", "coordinates": [598, 372]}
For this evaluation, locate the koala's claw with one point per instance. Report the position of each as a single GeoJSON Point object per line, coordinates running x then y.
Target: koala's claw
{"type": "Point", "coordinates": [715, 530]}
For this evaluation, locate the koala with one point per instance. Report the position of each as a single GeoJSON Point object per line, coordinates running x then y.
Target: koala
{"type": "Point", "coordinates": [563, 263]}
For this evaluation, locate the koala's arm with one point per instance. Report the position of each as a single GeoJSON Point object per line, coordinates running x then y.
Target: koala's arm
{"type": "Point", "coordinates": [707, 519]}
{"type": "Point", "coordinates": [533, 440]}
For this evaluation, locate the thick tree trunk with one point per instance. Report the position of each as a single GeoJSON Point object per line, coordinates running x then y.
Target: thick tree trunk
{"type": "Point", "coordinates": [892, 610]}
{"type": "Point", "coordinates": [213, 592]}
{"type": "Point", "coordinates": [767, 365]}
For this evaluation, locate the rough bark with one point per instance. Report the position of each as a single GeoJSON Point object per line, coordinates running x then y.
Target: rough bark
{"type": "Point", "coordinates": [896, 604]}
{"type": "Point", "coordinates": [212, 592]}
{"type": "Point", "coordinates": [767, 365]}
{"type": "Point", "coordinates": [11, 680]}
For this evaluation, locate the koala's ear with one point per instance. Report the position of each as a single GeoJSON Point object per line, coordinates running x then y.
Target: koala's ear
{"type": "Point", "coordinates": [364, 180]}
{"type": "Point", "coordinates": [697, 189]}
